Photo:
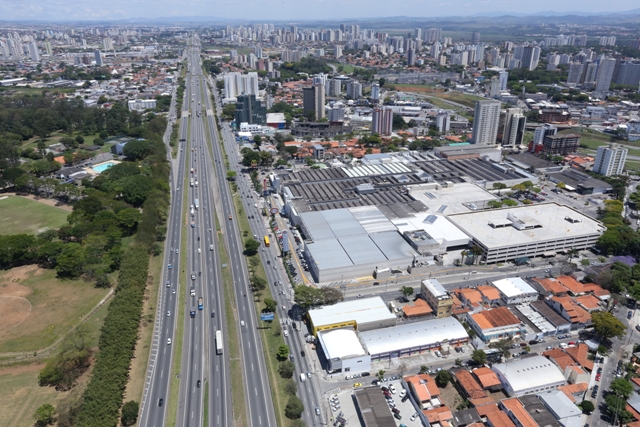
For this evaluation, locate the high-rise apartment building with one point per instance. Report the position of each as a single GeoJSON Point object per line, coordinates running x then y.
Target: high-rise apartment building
{"type": "Point", "coordinates": [561, 143]}
{"type": "Point", "coordinates": [382, 121]}
{"type": "Point", "coordinates": [411, 57]}
{"type": "Point", "coordinates": [575, 73]}
{"type": "Point", "coordinates": [514, 126]}
{"type": "Point", "coordinates": [236, 84]}
{"type": "Point", "coordinates": [542, 131]}
{"type": "Point", "coordinates": [610, 160]}
{"type": "Point", "coordinates": [605, 74]}
{"type": "Point", "coordinates": [33, 52]}
{"type": "Point", "coordinates": [354, 90]}
{"type": "Point", "coordinates": [375, 91]}
{"type": "Point", "coordinates": [530, 57]}
{"type": "Point", "coordinates": [98, 57]}
{"type": "Point", "coordinates": [475, 37]}
{"type": "Point", "coordinates": [337, 51]}
{"type": "Point", "coordinates": [485, 122]}
{"type": "Point", "coordinates": [629, 74]}
{"type": "Point", "coordinates": [504, 78]}
{"type": "Point", "coordinates": [443, 122]}
{"type": "Point", "coordinates": [494, 87]}
{"type": "Point", "coordinates": [313, 101]}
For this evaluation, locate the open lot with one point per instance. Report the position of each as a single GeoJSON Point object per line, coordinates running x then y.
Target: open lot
{"type": "Point", "coordinates": [37, 308]}
{"type": "Point", "coordinates": [20, 395]}
{"type": "Point", "coordinates": [22, 215]}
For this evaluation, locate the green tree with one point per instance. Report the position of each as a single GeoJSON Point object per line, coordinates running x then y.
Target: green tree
{"type": "Point", "coordinates": [45, 415]}
{"type": "Point", "coordinates": [380, 374]}
{"type": "Point", "coordinates": [479, 356]}
{"type": "Point", "coordinates": [283, 352]}
{"type": "Point", "coordinates": [607, 326]}
{"type": "Point", "coordinates": [622, 387]}
{"type": "Point", "coordinates": [509, 202]}
{"type": "Point", "coordinates": [587, 406]}
{"type": "Point", "coordinates": [135, 189]}
{"type": "Point", "coordinates": [443, 378]}
{"type": "Point", "coordinates": [499, 186]}
{"type": "Point", "coordinates": [68, 142]}
{"type": "Point", "coordinates": [79, 140]}
{"type": "Point", "coordinates": [294, 408]}
{"type": "Point", "coordinates": [330, 295]}
{"type": "Point", "coordinates": [71, 261]}
{"type": "Point", "coordinates": [231, 175]}
{"type": "Point", "coordinates": [270, 305]}
{"type": "Point", "coordinates": [257, 140]}
{"type": "Point", "coordinates": [616, 408]}
{"type": "Point", "coordinates": [98, 141]}
{"type": "Point", "coordinates": [494, 204]}
{"type": "Point", "coordinates": [503, 346]}
{"type": "Point", "coordinates": [130, 413]}
{"type": "Point", "coordinates": [136, 149]}
{"type": "Point", "coordinates": [286, 368]}
{"type": "Point", "coordinates": [406, 291]}
{"type": "Point", "coordinates": [306, 296]}
{"type": "Point", "coordinates": [251, 247]}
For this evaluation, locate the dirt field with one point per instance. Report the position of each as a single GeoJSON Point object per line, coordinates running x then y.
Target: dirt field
{"type": "Point", "coordinates": [40, 308]}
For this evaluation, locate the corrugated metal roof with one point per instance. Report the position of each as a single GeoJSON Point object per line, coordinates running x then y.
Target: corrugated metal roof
{"type": "Point", "coordinates": [413, 335]}
{"type": "Point", "coordinates": [361, 311]}
{"type": "Point", "coordinates": [328, 253]}
{"type": "Point", "coordinates": [392, 245]}
{"type": "Point", "coordinates": [341, 343]}
{"type": "Point", "coordinates": [361, 249]}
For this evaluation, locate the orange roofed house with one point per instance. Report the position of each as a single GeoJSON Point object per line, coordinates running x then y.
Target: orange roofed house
{"type": "Point", "coordinates": [496, 324]}
{"type": "Point", "coordinates": [570, 310]}
{"type": "Point", "coordinates": [424, 390]}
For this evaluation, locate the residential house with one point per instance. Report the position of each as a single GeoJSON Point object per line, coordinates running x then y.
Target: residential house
{"type": "Point", "coordinates": [495, 324]}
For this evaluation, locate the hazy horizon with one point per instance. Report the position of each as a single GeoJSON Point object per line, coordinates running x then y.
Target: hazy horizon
{"type": "Point", "coordinates": [83, 10]}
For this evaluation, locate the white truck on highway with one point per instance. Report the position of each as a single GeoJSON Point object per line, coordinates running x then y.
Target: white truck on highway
{"type": "Point", "coordinates": [197, 203]}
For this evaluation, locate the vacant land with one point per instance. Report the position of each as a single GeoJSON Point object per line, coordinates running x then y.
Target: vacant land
{"type": "Point", "coordinates": [22, 215]}
{"type": "Point", "coordinates": [20, 395]}
{"type": "Point", "coordinates": [38, 308]}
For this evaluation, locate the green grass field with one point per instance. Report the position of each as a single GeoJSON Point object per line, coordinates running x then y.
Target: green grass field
{"type": "Point", "coordinates": [22, 215]}
{"type": "Point", "coordinates": [20, 395]}
{"type": "Point", "coordinates": [54, 307]}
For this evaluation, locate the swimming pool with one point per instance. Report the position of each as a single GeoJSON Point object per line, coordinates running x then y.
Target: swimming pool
{"type": "Point", "coordinates": [103, 167]}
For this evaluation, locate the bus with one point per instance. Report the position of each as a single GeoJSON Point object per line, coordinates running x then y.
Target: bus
{"type": "Point", "coordinates": [218, 342]}
{"type": "Point", "coordinates": [266, 241]}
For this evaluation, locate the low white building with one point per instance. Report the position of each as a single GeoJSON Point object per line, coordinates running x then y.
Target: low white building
{"type": "Point", "coordinates": [562, 408]}
{"type": "Point", "coordinates": [528, 375]}
{"type": "Point", "coordinates": [413, 338]}
{"type": "Point", "coordinates": [142, 104]}
{"type": "Point", "coordinates": [344, 351]}
{"type": "Point", "coordinates": [514, 290]}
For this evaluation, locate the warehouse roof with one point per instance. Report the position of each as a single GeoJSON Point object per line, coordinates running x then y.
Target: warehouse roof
{"type": "Point", "coordinates": [410, 335]}
{"type": "Point", "coordinates": [361, 311]}
{"type": "Point", "coordinates": [529, 372]}
{"type": "Point", "coordinates": [495, 318]}
{"type": "Point", "coordinates": [341, 343]}
{"type": "Point", "coordinates": [498, 228]}
{"type": "Point", "coordinates": [513, 286]}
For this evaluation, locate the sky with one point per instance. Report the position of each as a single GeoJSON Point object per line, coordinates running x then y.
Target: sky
{"type": "Point", "coordinates": [90, 10]}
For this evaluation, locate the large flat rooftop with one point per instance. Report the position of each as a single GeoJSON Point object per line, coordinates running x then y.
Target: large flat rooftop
{"type": "Point", "coordinates": [361, 311]}
{"type": "Point", "coordinates": [541, 222]}
{"type": "Point", "coordinates": [456, 198]}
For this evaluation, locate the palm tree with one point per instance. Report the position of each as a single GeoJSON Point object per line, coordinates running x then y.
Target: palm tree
{"type": "Point", "coordinates": [476, 251]}
{"type": "Point", "coordinates": [463, 255]}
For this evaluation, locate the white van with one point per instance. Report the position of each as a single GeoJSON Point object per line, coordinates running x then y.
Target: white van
{"type": "Point", "coordinates": [303, 377]}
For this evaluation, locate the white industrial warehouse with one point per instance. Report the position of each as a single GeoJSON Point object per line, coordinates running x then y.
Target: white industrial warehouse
{"type": "Point", "coordinates": [344, 351]}
{"type": "Point", "coordinates": [363, 314]}
{"type": "Point", "coordinates": [529, 375]}
{"type": "Point", "coordinates": [413, 338]}
{"type": "Point", "coordinates": [349, 243]}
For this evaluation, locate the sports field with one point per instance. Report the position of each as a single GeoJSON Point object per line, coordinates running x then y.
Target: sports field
{"type": "Point", "coordinates": [22, 215]}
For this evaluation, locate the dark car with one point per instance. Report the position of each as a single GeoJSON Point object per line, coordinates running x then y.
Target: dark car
{"type": "Point", "coordinates": [395, 410]}
{"type": "Point", "coordinates": [213, 314]}
{"type": "Point", "coordinates": [629, 314]}
{"type": "Point", "coordinates": [398, 416]}
{"type": "Point", "coordinates": [384, 388]}
{"type": "Point", "coordinates": [160, 402]}
{"type": "Point", "coordinates": [302, 353]}
{"type": "Point", "coordinates": [404, 399]}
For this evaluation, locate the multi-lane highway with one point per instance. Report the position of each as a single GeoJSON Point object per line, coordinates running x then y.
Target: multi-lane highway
{"type": "Point", "coordinates": [257, 392]}
{"type": "Point", "coordinates": [160, 358]}
{"type": "Point", "coordinates": [252, 202]}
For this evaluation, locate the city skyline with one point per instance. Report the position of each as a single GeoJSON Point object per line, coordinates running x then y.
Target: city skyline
{"type": "Point", "coordinates": [81, 10]}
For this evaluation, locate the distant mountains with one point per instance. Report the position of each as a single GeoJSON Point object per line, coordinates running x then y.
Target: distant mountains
{"type": "Point", "coordinates": [487, 18]}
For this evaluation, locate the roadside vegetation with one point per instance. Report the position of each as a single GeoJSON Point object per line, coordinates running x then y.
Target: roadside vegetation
{"type": "Point", "coordinates": [116, 224]}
